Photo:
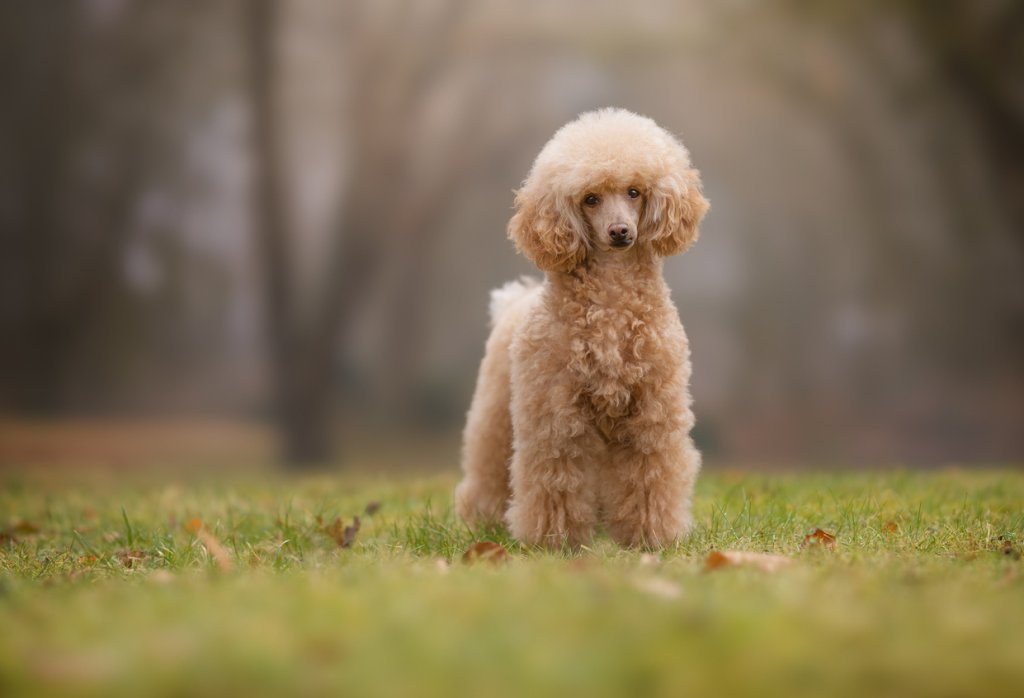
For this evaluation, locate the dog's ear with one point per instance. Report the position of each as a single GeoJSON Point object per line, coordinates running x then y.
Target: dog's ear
{"type": "Point", "coordinates": [548, 230]}
{"type": "Point", "coordinates": [672, 212]}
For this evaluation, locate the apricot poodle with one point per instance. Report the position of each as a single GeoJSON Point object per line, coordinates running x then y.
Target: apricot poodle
{"type": "Point", "coordinates": [581, 413]}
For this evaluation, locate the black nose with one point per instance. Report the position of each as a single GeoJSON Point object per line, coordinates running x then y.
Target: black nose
{"type": "Point", "coordinates": [618, 232]}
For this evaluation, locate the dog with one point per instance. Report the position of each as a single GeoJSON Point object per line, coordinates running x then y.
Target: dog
{"type": "Point", "coordinates": [582, 411]}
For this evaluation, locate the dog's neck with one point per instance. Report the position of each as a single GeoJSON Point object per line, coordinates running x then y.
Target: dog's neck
{"type": "Point", "coordinates": [612, 279]}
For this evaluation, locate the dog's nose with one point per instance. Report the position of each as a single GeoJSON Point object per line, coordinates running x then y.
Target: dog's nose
{"type": "Point", "coordinates": [618, 232]}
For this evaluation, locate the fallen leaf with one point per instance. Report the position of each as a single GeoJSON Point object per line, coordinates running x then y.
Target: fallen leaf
{"type": "Point", "coordinates": [343, 535]}
{"type": "Point", "coordinates": [891, 527]}
{"type": "Point", "coordinates": [217, 551]}
{"type": "Point", "coordinates": [820, 537]}
{"type": "Point", "coordinates": [335, 530]}
{"type": "Point", "coordinates": [24, 528]}
{"type": "Point", "coordinates": [1010, 551]}
{"type": "Point", "coordinates": [658, 586]}
{"type": "Point", "coordinates": [485, 551]}
{"type": "Point", "coordinates": [372, 508]}
{"type": "Point", "coordinates": [348, 537]}
{"type": "Point", "coordinates": [193, 526]}
{"type": "Point", "coordinates": [766, 562]}
{"type": "Point", "coordinates": [88, 559]}
{"type": "Point", "coordinates": [128, 558]}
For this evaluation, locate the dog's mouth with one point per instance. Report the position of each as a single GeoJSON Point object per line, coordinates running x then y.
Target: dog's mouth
{"type": "Point", "coordinates": [621, 244]}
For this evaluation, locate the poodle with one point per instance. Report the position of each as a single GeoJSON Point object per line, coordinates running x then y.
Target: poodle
{"type": "Point", "coordinates": [581, 413]}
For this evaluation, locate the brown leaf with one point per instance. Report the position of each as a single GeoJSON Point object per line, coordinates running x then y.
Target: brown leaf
{"type": "Point", "coordinates": [128, 558]}
{"type": "Point", "coordinates": [87, 560]}
{"type": "Point", "coordinates": [335, 530]}
{"type": "Point", "coordinates": [193, 526]}
{"type": "Point", "coordinates": [820, 537]}
{"type": "Point", "coordinates": [891, 527]}
{"type": "Point", "coordinates": [1008, 550]}
{"type": "Point", "coordinates": [372, 508]}
{"type": "Point", "coordinates": [217, 551]}
{"type": "Point", "coordinates": [766, 562]}
{"type": "Point", "coordinates": [348, 537]}
{"type": "Point", "coordinates": [24, 528]}
{"type": "Point", "coordinates": [343, 535]}
{"type": "Point", "coordinates": [485, 551]}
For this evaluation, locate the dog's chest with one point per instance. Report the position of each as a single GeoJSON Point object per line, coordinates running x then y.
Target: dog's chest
{"type": "Point", "coordinates": [610, 358]}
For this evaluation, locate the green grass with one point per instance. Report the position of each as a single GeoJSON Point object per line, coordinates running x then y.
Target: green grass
{"type": "Point", "coordinates": [105, 591]}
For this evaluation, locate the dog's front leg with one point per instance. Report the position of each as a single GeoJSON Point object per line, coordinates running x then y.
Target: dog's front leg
{"type": "Point", "coordinates": [554, 492]}
{"type": "Point", "coordinates": [646, 494]}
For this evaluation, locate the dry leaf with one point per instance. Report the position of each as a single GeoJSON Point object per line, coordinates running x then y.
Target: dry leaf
{"type": "Point", "coordinates": [87, 559]}
{"type": "Point", "coordinates": [128, 558]}
{"type": "Point", "coordinates": [343, 535]}
{"type": "Point", "coordinates": [348, 536]}
{"type": "Point", "coordinates": [335, 530]}
{"type": "Point", "coordinates": [193, 526]}
{"type": "Point", "coordinates": [1008, 550]}
{"type": "Point", "coordinates": [820, 537]}
{"type": "Point", "coordinates": [891, 527]}
{"type": "Point", "coordinates": [733, 558]}
{"type": "Point", "coordinates": [372, 508]}
{"type": "Point", "coordinates": [24, 528]}
{"type": "Point", "coordinates": [658, 586]}
{"type": "Point", "coordinates": [217, 551]}
{"type": "Point", "coordinates": [486, 551]}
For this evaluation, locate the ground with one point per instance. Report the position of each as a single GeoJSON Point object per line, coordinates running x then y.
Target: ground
{"type": "Point", "coordinates": [251, 585]}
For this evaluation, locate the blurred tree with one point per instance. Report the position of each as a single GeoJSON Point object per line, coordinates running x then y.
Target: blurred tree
{"type": "Point", "coordinates": [74, 154]}
{"type": "Point", "coordinates": [390, 211]}
{"type": "Point", "coordinates": [96, 115]}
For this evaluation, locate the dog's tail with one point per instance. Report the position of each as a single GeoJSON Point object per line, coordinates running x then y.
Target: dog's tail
{"type": "Point", "coordinates": [509, 295]}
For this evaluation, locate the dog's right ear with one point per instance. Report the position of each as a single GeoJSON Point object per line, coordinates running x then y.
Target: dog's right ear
{"type": "Point", "coordinates": [548, 230]}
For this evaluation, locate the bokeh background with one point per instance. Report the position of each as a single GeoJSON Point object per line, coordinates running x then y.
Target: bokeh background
{"type": "Point", "coordinates": [262, 229]}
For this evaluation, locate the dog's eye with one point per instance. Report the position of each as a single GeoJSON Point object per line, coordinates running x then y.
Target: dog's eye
{"type": "Point", "coordinates": [590, 200]}
{"type": "Point", "coordinates": [633, 192]}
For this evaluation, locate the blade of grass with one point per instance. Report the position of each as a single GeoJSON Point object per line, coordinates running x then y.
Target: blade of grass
{"type": "Point", "coordinates": [129, 533]}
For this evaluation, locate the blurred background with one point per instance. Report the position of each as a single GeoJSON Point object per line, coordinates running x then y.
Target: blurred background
{"type": "Point", "coordinates": [266, 230]}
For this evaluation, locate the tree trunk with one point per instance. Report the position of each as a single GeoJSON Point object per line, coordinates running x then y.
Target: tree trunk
{"type": "Point", "coordinates": [300, 382]}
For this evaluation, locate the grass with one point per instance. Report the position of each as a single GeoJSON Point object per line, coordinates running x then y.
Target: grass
{"type": "Point", "coordinates": [116, 589]}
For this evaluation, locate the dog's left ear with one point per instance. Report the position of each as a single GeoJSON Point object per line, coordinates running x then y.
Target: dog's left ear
{"type": "Point", "coordinates": [673, 211]}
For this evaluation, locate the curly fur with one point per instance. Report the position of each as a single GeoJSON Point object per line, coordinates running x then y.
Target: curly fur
{"type": "Point", "coordinates": [581, 413]}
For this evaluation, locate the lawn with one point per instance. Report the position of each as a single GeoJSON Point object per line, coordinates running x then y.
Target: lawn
{"type": "Point", "coordinates": [263, 585]}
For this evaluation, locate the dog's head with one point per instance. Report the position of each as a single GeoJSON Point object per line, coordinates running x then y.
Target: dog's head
{"type": "Point", "coordinates": [609, 181]}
